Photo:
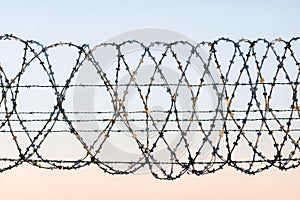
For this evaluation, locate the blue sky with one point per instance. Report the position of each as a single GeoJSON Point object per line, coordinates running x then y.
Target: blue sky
{"type": "Point", "coordinates": [95, 21]}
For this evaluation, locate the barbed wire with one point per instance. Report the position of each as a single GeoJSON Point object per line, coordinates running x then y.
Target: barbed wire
{"type": "Point", "coordinates": [253, 126]}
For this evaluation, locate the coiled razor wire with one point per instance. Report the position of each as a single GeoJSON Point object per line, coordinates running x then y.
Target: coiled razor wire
{"type": "Point", "coordinates": [256, 88]}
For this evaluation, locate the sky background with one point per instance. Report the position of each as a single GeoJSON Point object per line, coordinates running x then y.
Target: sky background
{"type": "Point", "coordinates": [93, 22]}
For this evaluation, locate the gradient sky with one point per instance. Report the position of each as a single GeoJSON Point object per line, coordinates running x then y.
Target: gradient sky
{"type": "Point", "coordinates": [96, 21]}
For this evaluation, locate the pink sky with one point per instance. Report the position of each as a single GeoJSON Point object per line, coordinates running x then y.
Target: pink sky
{"type": "Point", "coordinates": [27, 182]}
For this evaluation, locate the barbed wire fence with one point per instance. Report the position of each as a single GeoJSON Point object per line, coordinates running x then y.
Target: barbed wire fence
{"type": "Point", "coordinates": [253, 126]}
